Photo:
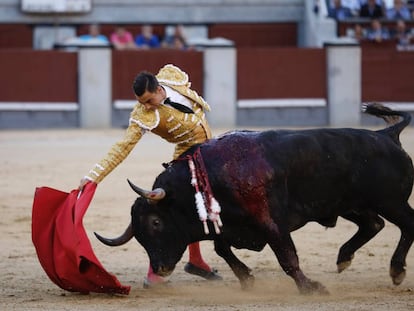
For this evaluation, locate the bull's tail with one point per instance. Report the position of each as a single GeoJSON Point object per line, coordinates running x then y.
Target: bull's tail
{"type": "Point", "coordinates": [391, 117]}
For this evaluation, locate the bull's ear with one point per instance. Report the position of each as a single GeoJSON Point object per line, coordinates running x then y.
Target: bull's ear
{"type": "Point", "coordinates": [153, 195]}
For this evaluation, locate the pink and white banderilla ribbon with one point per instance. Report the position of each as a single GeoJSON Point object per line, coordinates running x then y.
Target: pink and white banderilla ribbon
{"type": "Point", "coordinates": [212, 211]}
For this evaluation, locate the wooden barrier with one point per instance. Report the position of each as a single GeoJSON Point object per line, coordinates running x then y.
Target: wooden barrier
{"type": "Point", "coordinates": [38, 89]}
{"type": "Point", "coordinates": [256, 34]}
{"type": "Point", "coordinates": [281, 86]}
{"type": "Point", "coordinates": [387, 75]}
{"type": "Point", "coordinates": [275, 86]}
{"type": "Point", "coordinates": [281, 73]}
{"type": "Point", "coordinates": [38, 76]}
{"type": "Point", "coordinates": [16, 36]}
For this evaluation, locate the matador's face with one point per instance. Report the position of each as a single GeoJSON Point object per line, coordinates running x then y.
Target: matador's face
{"type": "Point", "coordinates": [152, 100]}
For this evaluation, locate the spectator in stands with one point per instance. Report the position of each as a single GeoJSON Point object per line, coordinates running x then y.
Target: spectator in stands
{"type": "Point", "coordinates": [377, 32]}
{"type": "Point", "coordinates": [381, 3]}
{"type": "Point", "coordinates": [371, 9]}
{"type": "Point", "coordinates": [176, 39]}
{"type": "Point", "coordinates": [338, 11]}
{"type": "Point", "coordinates": [316, 6]}
{"type": "Point", "coordinates": [147, 39]}
{"type": "Point", "coordinates": [398, 11]}
{"type": "Point", "coordinates": [353, 5]}
{"type": "Point", "coordinates": [94, 35]}
{"type": "Point", "coordinates": [122, 39]}
{"type": "Point", "coordinates": [402, 34]}
{"type": "Point", "coordinates": [358, 33]}
{"type": "Point", "coordinates": [387, 3]}
{"type": "Point", "coordinates": [410, 6]}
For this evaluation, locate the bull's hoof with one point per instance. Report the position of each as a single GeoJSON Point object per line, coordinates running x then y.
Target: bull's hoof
{"type": "Point", "coordinates": [247, 283]}
{"type": "Point", "coordinates": [208, 275]}
{"type": "Point", "coordinates": [313, 287]}
{"type": "Point", "coordinates": [343, 265]}
{"type": "Point", "coordinates": [344, 262]}
{"type": "Point", "coordinates": [397, 275]}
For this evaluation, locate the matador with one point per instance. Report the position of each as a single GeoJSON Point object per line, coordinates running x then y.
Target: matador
{"type": "Point", "coordinates": [169, 108]}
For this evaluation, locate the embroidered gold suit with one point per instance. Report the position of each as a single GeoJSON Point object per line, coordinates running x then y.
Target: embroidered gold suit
{"type": "Point", "coordinates": [182, 129]}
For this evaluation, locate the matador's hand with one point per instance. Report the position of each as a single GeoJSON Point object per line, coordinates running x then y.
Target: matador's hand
{"type": "Point", "coordinates": [83, 182]}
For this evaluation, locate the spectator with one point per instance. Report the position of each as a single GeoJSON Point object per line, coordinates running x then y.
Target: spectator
{"type": "Point", "coordinates": [176, 39]}
{"type": "Point", "coordinates": [371, 9]}
{"type": "Point", "coordinates": [377, 32]}
{"type": "Point", "coordinates": [338, 11]}
{"type": "Point", "coordinates": [410, 6]}
{"type": "Point", "coordinates": [399, 11]}
{"type": "Point", "coordinates": [358, 33]}
{"type": "Point", "coordinates": [147, 39]}
{"type": "Point", "coordinates": [381, 3]}
{"type": "Point", "coordinates": [353, 5]}
{"type": "Point", "coordinates": [122, 39]}
{"type": "Point", "coordinates": [402, 34]}
{"type": "Point", "coordinates": [316, 6]}
{"type": "Point", "coordinates": [94, 35]}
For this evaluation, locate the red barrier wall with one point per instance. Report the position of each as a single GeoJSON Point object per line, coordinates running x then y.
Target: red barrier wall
{"type": "Point", "coordinates": [281, 73]}
{"type": "Point", "coordinates": [38, 76]}
{"type": "Point", "coordinates": [256, 35]}
{"type": "Point", "coordinates": [16, 36]}
{"type": "Point", "coordinates": [387, 75]}
{"type": "Point", "coordinates": [51, 76]}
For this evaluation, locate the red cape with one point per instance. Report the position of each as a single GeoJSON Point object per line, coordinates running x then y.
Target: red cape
{"type": "Point", "coordinates": [62, 245]}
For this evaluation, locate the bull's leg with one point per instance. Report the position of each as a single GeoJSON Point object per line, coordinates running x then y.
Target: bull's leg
{"type": "Point", "coordinates": [404, 219]}
{"type": "Point", "coordinates": [397, 267]}
{"type": "Point", "coordinates": [282, 245]}
{"type": "Point", "coordinates": [369, 224]}
{"type": "Point", "coordinates": [242, 272]}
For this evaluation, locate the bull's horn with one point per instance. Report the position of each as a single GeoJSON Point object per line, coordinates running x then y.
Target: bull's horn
{"type": "Point", "coordinates": [125, 237]}
{"type": "Point", "coordinates": [155, 195]}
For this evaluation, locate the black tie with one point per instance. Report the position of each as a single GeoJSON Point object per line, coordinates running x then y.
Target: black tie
{"type": "Point", "coordinates": [178, 106]}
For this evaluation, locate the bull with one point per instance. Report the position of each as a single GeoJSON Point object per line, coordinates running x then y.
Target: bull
{"type": "Point", "coordinates": [270, 183]}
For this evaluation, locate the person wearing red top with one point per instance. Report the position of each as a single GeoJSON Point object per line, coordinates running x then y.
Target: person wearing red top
{"type": "Point", "coordinates": [122, 39]}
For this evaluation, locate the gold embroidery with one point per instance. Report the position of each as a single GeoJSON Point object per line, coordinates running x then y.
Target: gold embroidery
{"type": "Point", "coordinates": [146, 119]}
{"type": "Point", "coordinates": [177, 79]}
{"type": "Point", "coordinates": [162, 121]}
{"type": "Point", "coordinates": [174, 128]}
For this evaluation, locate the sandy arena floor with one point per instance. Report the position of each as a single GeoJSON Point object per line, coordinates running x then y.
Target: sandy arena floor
{"type": "Point", "coordinates": [59, 158]}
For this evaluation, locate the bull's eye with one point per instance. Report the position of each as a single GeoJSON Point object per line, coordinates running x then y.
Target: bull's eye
{"type": "Point", "coordinates": [156, 223]}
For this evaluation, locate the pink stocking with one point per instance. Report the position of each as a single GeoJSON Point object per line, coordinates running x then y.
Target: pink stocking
{"type": "Point", "coordinates": [195, 256]}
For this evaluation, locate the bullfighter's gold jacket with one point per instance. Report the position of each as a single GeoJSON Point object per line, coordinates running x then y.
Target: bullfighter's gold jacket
{"type": "Point", "coordinates": [182, 129]}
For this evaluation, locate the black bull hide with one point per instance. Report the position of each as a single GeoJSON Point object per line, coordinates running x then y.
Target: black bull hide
{"type": "Point", "coordinates": [269, 183]}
